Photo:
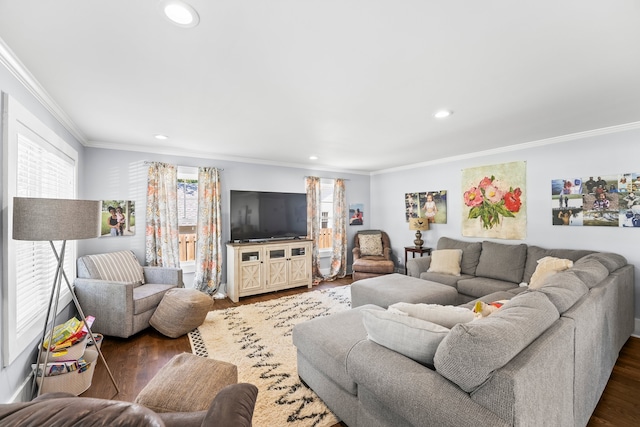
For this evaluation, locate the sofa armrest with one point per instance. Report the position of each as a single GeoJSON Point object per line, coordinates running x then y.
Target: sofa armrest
{"type": "Point", "coordinates": [356, 253]}
{"type": "Point", "coordinates": [110, 302]}
{"type": "Point", "coordinates": [233, 406]}
{"type": "Point", "coordinates": [416, 266]}
{"type": "Point", "coordinates": [387, 254]}
{"type": "Point", "coordinates": [416, 393]}
{"type": "Point", "coordinates": [163, 276]}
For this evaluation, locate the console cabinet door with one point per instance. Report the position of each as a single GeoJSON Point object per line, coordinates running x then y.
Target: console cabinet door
{"type": "Point", "coordinates": [250, 265]}
{"type": "Point", "coordinates": [276, 263]}
{"type": "Point", "coordinates": [299, 264]}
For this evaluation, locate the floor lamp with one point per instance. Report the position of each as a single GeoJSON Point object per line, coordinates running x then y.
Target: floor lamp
{"type": "Point", "coordinates": [39, 219]}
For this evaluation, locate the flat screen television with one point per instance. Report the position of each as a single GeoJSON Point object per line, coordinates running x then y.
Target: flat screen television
{"type": "Point", "coordinates": [262, 215]}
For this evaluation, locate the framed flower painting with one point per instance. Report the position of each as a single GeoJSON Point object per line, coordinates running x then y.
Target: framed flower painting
{"type": "Point", "coordinates": [494, 201]}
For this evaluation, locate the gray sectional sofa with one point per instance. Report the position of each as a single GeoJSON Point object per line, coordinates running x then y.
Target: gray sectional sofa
{"type": "Point", "coordinates": [543, 359]}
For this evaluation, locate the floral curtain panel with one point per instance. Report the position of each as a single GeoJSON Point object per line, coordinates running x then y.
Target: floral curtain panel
{"type": "Point", "coordinates": [312, 185]}
{"type": "Point", "coordinates": [161, 226]}
{"type": "Point", "coordinates": [339, 254]}
{"type": "Point", "coordinates": [208, 274]}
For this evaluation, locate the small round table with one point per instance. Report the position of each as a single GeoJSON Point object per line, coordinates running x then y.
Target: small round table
{"type": "Point", "coordinates": [414, 250]}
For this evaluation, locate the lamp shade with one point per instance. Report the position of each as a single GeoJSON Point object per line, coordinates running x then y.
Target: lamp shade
{"type": "Point", "coordinates": [421, 224]}
{"type": "Point", "coordinates": [39, 219]}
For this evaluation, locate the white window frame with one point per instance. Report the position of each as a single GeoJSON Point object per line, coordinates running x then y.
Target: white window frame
{"type": "Point", "coordinates": [326, 183]}
{"type": "Point", "coordinates": [18, 122]}
{"type": "Point", "coordinates": [187, 172]}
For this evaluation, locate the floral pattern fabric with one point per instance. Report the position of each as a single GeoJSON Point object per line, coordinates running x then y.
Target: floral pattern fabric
{"type": "Point", "coordinates": [208, 274]}
{"type": "Point", "coordinates": [339, 244]}
{"type": "Point", "coordinates": [161, 224]}
{"type": "Point", "coordinates": [312, 185]}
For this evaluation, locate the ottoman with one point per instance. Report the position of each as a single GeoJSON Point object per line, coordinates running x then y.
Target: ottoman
{"type": "Point", "coordinates": [386, 290]}
{"type": "Point", "coordinates": [187, 383]}
{"type": "Point", "coordinates": [180, 311]}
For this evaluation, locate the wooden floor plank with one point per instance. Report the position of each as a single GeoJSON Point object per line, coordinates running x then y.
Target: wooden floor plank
{"type": "Point", "coordinates": [134, 361]}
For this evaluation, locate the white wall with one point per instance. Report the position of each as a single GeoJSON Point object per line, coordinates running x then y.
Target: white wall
{"type": "Point", "coordinates": [13, 376]}
{"type": "Point", "coordinates": [121, 175]}
{"type": "Point", "coordinates": [608, 154]}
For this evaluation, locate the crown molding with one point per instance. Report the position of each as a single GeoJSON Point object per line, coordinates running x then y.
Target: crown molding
{"type": "Point", "coordinates": [11, 62]}
{"type": "Point", "coordinates": [176, 151]}
{"type": "Point", "coordinates": [516, 147]}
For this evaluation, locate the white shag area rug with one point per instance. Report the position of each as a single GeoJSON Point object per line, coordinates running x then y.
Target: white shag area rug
{"type": "Point", "coordinates": [257, 338]}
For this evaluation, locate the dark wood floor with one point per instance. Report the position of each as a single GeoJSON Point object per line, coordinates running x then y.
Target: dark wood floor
{"type": "Point", "coordinates": [134, 361]}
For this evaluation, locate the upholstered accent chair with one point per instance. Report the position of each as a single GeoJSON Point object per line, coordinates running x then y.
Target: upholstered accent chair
{"type": "Point", "coordinates": [371, 255]}
{"type": "Point", "coordinates": [120, 293]}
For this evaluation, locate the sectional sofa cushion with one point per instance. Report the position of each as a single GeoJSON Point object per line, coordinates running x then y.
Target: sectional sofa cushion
{"type": "Point", "coordinates": [611, 261]}
{"type": "Point", "coordinates": [446, 261]}
{"type": "Point", "coordinates": [470, 253]}
{"type": "Point", "coordinates": [590, 271]}
{"type": "Point", "coordinates": [564, 290]}
{"type": "Point", "coordinates": [471, 352]}
{"type": "Point", "coordinates": [443, 315]}
{"type": "Point", "coordinates": [534, 253]}
{"type": "Point", "coordinates": [547, 267]}
{"type": "Point", "coordinates": [415, 338]}
{"type": "Point", "coordinates": [502, 262]}
{"type": "Point", "coordinates": [477, 287]}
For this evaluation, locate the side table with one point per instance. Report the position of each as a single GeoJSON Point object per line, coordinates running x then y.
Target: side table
{"type": "Point", "coordinates": [414, 250]}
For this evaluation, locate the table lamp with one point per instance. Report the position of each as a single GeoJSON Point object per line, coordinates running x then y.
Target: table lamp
{"type": "Point", "coordinates": [41, 219]}
{"type": "Point", "coordinates": [418, 224]}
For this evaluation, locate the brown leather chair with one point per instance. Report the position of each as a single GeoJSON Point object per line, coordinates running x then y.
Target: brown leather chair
{"type": "Point", "coordinates": [366, 264]}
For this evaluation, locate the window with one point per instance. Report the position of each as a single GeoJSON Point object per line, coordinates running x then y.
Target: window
{"type": "Point", "coordinates": [326, 212]}
{"type": "Point", "coordinates": [187, 215]}
{"type": "Point", "coordinates": [36, 163]}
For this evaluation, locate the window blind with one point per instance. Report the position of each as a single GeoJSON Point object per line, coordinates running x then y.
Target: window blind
{"type": "Point", "coordinates": [42, 171]}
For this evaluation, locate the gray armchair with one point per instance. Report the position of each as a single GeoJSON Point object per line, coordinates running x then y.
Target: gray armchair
{"type": "Point", "coordinates": [120, 293]}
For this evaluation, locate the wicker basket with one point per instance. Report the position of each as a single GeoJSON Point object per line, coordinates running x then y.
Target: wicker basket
{"type": "Point", "coordinates": [72, 382]}
{"type": "Point", "coordinates": [73, 353]}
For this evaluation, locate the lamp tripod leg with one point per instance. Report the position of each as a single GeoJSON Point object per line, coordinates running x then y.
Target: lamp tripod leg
{"type": "Point", "coordinates": [55, 296]}
{"type": "Point", "coordinates": [84, 319]}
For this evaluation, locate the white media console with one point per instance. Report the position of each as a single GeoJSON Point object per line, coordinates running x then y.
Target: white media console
{"type": "Point", "coordinates": [258, 267]}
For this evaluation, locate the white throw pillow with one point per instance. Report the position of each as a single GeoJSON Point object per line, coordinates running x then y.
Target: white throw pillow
{"type": "Point", "coordinates": [370, 244]}
{"type": "Point", "coordinates": [415, 338]}
{"type": "Point", "coordinates": [547, 267]}
{"type": "Point", "coordinates": [446, 261]}
{"type": "Point", "coordinates": [443, 315]}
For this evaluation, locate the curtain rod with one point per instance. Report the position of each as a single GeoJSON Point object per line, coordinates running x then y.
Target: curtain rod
{"type": "Point", "coordinates": [148, 162]}
{"type": "Point", "coordinates": [324, 177]}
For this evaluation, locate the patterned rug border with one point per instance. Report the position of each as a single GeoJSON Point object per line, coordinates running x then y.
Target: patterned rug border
{"type": "Point", "coordinates": [274, 374]}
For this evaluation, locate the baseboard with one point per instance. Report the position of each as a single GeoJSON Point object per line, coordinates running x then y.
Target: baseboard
{"type": "Point", "coordinates": [23, 393]}
{"type": "Point", "coordinates": [636, 328]}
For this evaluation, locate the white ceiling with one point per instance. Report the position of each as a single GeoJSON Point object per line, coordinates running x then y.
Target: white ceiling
{"type": "Point", "coordinates": [354, 82]}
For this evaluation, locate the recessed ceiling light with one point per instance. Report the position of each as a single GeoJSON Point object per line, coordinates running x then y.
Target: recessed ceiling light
{"type": "Point", "coordinates": [160, 136]}
{"type": "Point", "coordinates": [442, 114]}
{"type": "Point", "coordinates": [313, 157]}
{"type": "Point", "coordinates": [180, 13]}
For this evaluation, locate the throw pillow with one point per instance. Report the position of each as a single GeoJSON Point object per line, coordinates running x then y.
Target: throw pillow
{"type": "Point", "coordinates": [547, 267]}
{"type": "Point", "coordinates": [446, 261]}
{"type": "Point", "coordinates": [415, 338]}
{"type": "Point", "coordinates": [443, 315]}
{"type": "Point", "coordinates": [122, 266]}
{"type": "Point", "coordinates": [370, 244]}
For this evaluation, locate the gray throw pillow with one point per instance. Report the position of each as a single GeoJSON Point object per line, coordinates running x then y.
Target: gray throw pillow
{"type": "Point", "coordinates": [415, 338]}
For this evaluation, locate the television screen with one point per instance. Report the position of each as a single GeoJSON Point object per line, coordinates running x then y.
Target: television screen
{"type": "Point", "coordinates": [260, 215]}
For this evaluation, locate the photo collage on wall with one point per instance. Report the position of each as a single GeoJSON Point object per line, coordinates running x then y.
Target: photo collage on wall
{"type": "Point", "coordinates": [610, 201]}
{"type": "Point", "coordinates": [430, 204]}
